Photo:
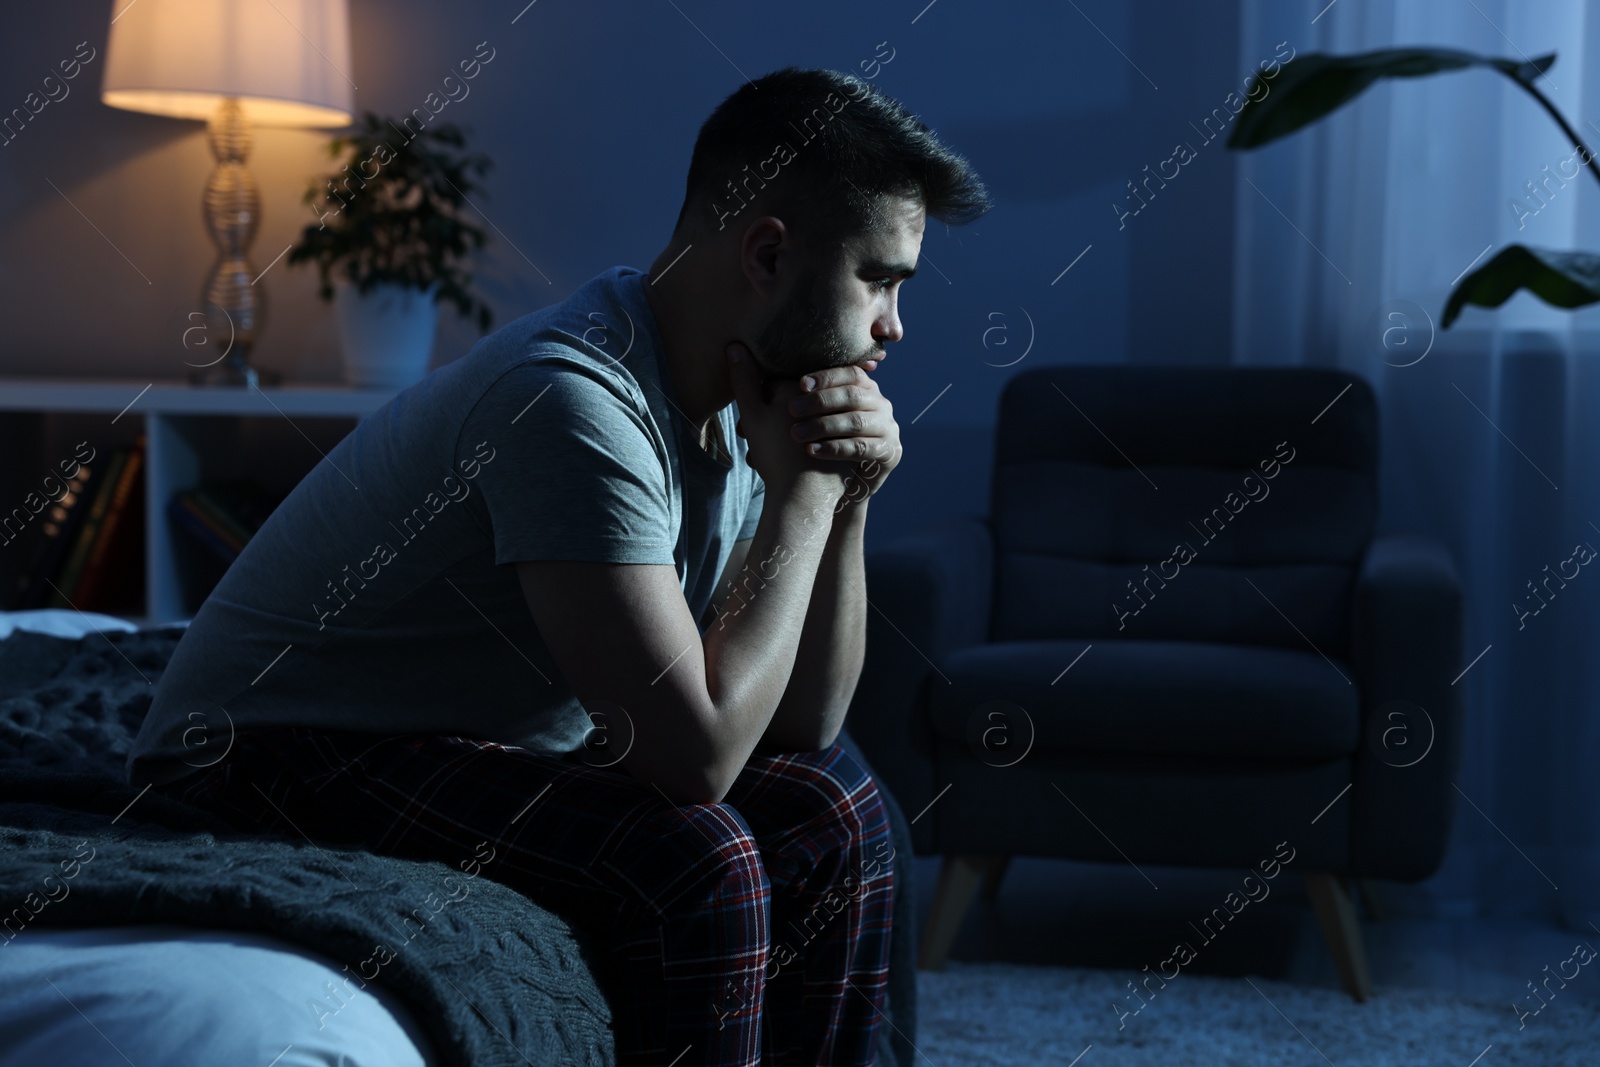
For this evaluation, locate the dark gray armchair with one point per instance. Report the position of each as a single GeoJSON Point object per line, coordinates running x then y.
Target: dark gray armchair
{"type": "Point", "coordinates": [1174, 640]}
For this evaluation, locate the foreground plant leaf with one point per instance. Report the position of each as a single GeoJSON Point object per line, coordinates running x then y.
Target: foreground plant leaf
{"type": "Point", "coordinates": [1563, 279]}
{"type": "Point", "coordinates": [1314, 84]}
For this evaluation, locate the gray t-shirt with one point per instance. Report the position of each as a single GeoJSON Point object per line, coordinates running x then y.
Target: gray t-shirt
{"type": "Point", "coordinates": [380, 595]}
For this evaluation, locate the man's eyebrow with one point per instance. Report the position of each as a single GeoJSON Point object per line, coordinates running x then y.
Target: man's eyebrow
{"type": "Point", "coordinates": [880, 266]}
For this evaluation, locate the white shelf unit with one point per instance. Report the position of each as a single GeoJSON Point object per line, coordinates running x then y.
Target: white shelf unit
{"type": "Point", "coordinates": [186, 428]}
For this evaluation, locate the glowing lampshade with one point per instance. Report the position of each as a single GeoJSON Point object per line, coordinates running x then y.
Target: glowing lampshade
{"type": "Point", "coordinates": [286, 61]}
{"type": "Point", "coordinates": [231, 64]}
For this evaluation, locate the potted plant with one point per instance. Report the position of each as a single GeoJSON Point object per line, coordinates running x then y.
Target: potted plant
{"type": "Point", "coordinates": [391, 232]}
{"type": "Point", "coordinates": [1314, 85]}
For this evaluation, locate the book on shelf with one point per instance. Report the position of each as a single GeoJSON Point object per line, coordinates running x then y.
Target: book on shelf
{"type": "Point", "coordinates": [114, 556]}
{"type": "Point", "coordinates": [187, 513]}
{"type": "Point", "coordinates": [104, 487]}
{"type": "Point", "coordinates": [59, 524]}
{"type": "Point", "coordinates": [241, 505]}
{"type": "Point", "coordinates": [222, 515]}
{"type": "Point", "coordinates": [216, 519]}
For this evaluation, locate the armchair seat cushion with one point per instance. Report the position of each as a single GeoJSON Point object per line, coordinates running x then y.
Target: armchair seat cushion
{"type": "Point", "coordinates": [1182, 698]}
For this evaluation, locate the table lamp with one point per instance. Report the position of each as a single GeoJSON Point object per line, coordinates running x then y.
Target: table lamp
{"type": "Point", "coordinates": [232, 63]}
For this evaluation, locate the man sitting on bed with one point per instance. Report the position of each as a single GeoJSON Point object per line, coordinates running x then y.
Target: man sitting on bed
{"type": "Point", "coordinates": [493, 616]}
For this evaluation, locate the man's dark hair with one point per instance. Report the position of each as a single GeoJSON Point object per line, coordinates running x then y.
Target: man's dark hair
{"type": "Point", "coordinates": [821, 150]}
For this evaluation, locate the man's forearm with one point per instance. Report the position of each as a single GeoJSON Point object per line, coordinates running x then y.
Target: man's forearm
{"type": "Point", "coordinates": [752, 648]}
{"type": "Point", "coordinates": [832, 643]}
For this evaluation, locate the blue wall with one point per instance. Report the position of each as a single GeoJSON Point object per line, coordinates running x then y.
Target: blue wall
{"type": "Point", "coordinates": [590, 111]}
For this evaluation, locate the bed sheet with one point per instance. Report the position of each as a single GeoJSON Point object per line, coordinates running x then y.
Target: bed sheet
{"type": "Point", "coordinates": [228, 948]}
{"type": "Point", "coordinates": [180, 996]}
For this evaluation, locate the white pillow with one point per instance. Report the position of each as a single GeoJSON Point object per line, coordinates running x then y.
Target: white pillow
{"type": "Point", "coordinates": [62, 622]}
{"type": "Point", "coordinates": [179, 996]}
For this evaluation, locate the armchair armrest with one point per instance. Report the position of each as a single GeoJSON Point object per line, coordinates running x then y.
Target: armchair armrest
{"type": "Point", "coordinates": [928, 594]}
{"type": "Point", "coordinates": [1407, 645]}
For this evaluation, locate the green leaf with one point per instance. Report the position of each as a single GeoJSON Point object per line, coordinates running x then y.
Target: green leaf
{"type": "Point", "coordinates": [1527, 72]}
{"type": "Point", "coordinates": [1315, 84]}
{"type": "Point", "coordinates": [1562, 279]}
{"type": "Point", "coordinates": [397, 215]}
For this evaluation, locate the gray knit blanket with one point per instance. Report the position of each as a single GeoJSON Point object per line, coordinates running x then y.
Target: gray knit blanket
{"type": "Point", "coordinates": [492, 978]}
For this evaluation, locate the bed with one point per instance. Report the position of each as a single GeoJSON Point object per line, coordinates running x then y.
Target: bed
{"type": "Point", "coordinates": [136, 929]}
{"type": "Point", "coordinates": [166, 994]}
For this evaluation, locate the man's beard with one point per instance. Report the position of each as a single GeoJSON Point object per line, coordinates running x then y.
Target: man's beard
{"type": "Point", "coordinates": [801, 337]}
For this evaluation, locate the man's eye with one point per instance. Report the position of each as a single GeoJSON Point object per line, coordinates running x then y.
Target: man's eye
{"type": "Point", "coordinates": [883, 283]}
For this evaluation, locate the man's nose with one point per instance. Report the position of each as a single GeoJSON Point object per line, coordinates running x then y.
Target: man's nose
{"type": "Point", "coordinates": [888, 329]}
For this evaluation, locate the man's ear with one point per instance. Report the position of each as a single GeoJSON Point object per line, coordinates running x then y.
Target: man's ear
{"type": "Point", "coordinates": [759, 247]}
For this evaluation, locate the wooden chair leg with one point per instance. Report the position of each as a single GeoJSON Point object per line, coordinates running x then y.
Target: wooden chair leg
{"type": "Point", "coordinates": [958, 882]}
{"type": "Point", "coordinates": [1342, 931]}
{"type": "Point", "coordinates": [993, 876]}
{"type": "Point", "coordinates": [1370, 898]}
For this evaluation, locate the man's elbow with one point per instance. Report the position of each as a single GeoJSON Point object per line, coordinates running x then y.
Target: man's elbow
{"type": "Point", "coordinates": [773, 743]}
{"type": "Point", "coordinates": [711, 786]}
{"type": "Point", "coordinates": [700, 778]}
{"type": "Point", "coordinates": [826, 741]}
{"type": "Point", "coordinates": [696, 793]}
{"type": "Point", "coordinates": [714, 783]}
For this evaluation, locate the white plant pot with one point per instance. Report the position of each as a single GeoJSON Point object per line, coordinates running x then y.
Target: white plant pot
{"type": "Point", "coordinates": [387, 334]}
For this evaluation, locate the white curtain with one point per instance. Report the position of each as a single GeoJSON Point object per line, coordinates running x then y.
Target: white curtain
{"type": "Point", "coordinates": [1349, 237]}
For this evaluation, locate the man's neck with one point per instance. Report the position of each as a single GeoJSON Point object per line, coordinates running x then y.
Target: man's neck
{"type": "Point", "coordinates": [693, 340]}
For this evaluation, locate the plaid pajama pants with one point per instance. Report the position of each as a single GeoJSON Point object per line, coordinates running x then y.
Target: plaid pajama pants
{"type": "Point", "coordinates": [751, 932]}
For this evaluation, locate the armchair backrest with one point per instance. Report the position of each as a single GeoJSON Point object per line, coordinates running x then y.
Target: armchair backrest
{"type": "Point", "coordinates": [1145, 501]}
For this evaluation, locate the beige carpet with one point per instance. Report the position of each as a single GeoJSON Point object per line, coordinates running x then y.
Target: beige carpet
{"type": "Point", "coordinates": [983, 1014]}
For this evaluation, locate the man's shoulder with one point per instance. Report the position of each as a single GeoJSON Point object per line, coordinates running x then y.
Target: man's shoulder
{"type": "Point", "coordinates": [594, 334]}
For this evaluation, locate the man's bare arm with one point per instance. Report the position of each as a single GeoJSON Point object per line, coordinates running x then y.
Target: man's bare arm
{"type": "Point", "coordinates": [841, 416]}
{"type": "Point", "coordinates": [832, 644]}
{"type": "Point", "coordinates": [730, 571]}
{"type": "Point", "coordinates": [623, 638]}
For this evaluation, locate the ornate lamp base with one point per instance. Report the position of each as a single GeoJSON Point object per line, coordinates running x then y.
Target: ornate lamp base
{"type": "Point", "coordinates": [234, 372]}
{"type": "Point", "coordinates": [232, 210]}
